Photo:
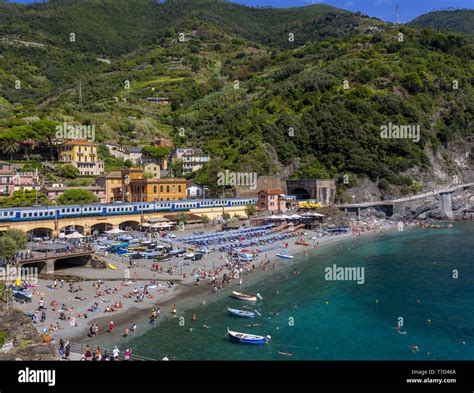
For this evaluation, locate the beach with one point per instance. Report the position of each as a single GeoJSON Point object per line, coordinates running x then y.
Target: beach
{"type": "Point", "coordinates": [80, 299]}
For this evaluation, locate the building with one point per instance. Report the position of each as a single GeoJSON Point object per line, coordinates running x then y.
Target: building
{"type": "Point", "coordinates": [54, 191]}
{"type": "Point", "coordinates": [192, 159]}
{"type": "Point", "coordinates": [194, 190]}
{"type": "Point", "coordinates": [271, 200]}
{"type": "Point", "coordinates": [7, 185]}
{"type": "Point", "coordinates": [152, 170]}
{"type": "Point", "coordinates": [135, 155]}
{"type": "Point", "coordinates": [164, 142]}
{"type": "Point", "coordinates": [117, 151]}
{"type": "Point", "coordinates": [81, 154]}
{"type": "Point", "coordinates": [113, 185]}
{"type": "Point", "coordinates": [27, 181]}
{"type": "Point", "coordinates": [159, 100]}
{"type": "Point", "coordinates": [319, 190]}
{"type": "Point", "coordinates": [140, 188]}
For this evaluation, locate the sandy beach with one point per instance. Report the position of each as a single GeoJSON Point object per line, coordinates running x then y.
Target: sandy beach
{"type": "Point", "coordinates": [117, 289]}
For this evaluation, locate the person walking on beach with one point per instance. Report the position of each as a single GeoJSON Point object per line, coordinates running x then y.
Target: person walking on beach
{"type": "Point", "coordinates": [111, 326]}
{"type": "Point", "coordinates": [67, 350]}
{"type": "Point", "coordinates": [115, 353]}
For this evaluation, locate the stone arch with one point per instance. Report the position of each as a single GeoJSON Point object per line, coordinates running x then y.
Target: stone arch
{"type": "Point", "coordinates": [101, 227]}
{"type": "Point", "coordinates": [67, 229]}
{"type": "Point", "coordinates": [40, 232]}
{"type": "Point", "coordinates": [129, 224]}
{"type": "Point", "coordinates": [300, 193]}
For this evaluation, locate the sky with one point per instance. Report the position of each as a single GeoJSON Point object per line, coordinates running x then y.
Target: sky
{"type": "Point", "coordinates": [382, 9]}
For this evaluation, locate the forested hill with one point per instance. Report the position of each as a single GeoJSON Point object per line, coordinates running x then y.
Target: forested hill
{"type": "Point", "coordinates": [461, 21]}
{"type": "Point", "coordinates": [114, 27]}
{"type": "Point", "coordinates": [241, 89]}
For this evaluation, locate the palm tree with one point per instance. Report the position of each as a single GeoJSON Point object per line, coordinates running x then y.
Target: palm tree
{"type": "Point", "coordinates": [10, 146]}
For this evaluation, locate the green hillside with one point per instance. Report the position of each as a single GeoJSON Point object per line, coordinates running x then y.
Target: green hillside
{"type": "Point", "coordinates": [461, 21]}
{"type": "Point", "coordinates": [239, 88]}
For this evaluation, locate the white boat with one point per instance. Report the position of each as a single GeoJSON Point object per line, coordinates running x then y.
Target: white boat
{"type": "Point", "coordinates": [245, 296]}
{"type": "Point", "coordinates": [247, 338]}
{"type": "Point", "coordinates": [241, 313]}
{"type": "Point", "coordinates": [285, 254]}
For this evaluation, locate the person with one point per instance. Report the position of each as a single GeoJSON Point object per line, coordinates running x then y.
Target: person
{"type": "Point", "coordinates": [115, 353]}
{"type": "Point", "coordinates": [111, 326]}
{"type": "Point", "coordinates": [88, 353]}
{"type": "Point", "coordinates": [67, 350]}
{"type": "Point", "coordinates": [127, 354]}
{"type": "Point", "coordinates": [174, 309]}
{"type": "Point", "coordinates": [61, 348]}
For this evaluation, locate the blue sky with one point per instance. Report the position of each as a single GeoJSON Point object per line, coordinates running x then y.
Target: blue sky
{"type": "Point", "coordinates": [383, 9]}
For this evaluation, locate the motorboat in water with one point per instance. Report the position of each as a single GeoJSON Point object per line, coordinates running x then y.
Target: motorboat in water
{"type": "Point", "coordinates": [246, 338]}
{"type": "Point", "coordinates": [241, 313]}
{"type": "Point", "coordinates": [245, 296]}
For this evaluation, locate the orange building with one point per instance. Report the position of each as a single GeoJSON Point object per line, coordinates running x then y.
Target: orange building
{"type": "Point", "coordinates": [148, 189]}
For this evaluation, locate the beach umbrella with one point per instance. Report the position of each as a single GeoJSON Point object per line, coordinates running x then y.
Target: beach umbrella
{"type": "Point", "coordinates": [115, 231]}
{"type": "Point", "coordinates": [75, 235]}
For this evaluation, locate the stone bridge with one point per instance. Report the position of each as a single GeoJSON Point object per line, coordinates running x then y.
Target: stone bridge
{"type": "Point", "coordinates": [46, 263]}
{"type": "Point", "coordinates": [401, 205]}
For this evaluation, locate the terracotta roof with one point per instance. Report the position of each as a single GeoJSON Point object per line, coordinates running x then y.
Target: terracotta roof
{"type": "Point", "coordinates": [78, 142]}
{"type": "Point", "coordinates": [272, 191]}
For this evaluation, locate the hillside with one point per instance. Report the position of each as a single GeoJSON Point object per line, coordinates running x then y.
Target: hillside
{"type": "Point", "coordinates": [254, 100]}
{"type": "Point", "coordinates": [461, 21]}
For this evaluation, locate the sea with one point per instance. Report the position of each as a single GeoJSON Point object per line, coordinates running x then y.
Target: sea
{"type": "Point", "coordinates": [419, 280]}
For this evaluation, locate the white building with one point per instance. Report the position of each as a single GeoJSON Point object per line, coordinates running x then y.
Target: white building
{"type": "Point", "coordinates": [193, 159]}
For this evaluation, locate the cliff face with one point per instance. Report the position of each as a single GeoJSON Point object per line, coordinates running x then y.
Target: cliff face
{"type": "Point", "coordinates": [22, 340]}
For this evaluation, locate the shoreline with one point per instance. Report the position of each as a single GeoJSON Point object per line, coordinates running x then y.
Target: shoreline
{"type": "Point", "coordinates": [190, 296]}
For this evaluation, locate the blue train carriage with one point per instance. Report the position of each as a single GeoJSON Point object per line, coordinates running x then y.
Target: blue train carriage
{"type": "Point", "coordinates": [52, 212]}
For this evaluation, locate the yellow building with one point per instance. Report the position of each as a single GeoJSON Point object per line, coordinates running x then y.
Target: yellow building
{"type": "Point", "coordinates": [152, 170]}
{"type": "Point", "coordinates": [112, 182]}
{"type": "Point", "coordinates": [141, 188]}
{"type": "Point", "coordinates": [81, 154]}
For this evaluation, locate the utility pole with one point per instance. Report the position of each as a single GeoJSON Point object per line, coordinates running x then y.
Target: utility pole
{"type": "Point", "coordinates": [397, 13]}
{"type": "Point", "coordinates": [80, 95]}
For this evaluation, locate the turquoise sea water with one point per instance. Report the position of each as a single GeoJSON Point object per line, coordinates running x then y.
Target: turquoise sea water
{"type": "Point", "coordinates": [410, 273]}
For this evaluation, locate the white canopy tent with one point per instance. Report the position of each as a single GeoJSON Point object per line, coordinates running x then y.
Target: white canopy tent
{"type": "Point", "coordinates": [74, 235]}
{"type": "Point", "coordinates": [115, 231]}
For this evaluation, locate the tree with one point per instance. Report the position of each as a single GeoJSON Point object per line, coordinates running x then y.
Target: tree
{"type": "Point", "coordinates": [159, 153]}
{"type": "Point", "coordinates": [77, 196]}
{"type": "Point", "coordinates": [177, 168]}
{"type": "Point", "coordinates": [24, 198]}
{"type": "Point", "coordinates": [205, 219]}
{"type": "Point", "coordinates": [181, 218]}
{"type": "Point", "coordinates": [10, 146]}
{"type": "Point", "coordinates": [68, 170]}
{"type": "Point", "coordinates": [250, 210]}
{"type": "Point", "coordinates": [11, 242]}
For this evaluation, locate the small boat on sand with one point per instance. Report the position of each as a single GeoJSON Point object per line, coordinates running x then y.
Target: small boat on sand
{"type": "Point", "coordinates": [241, 313]}
{"type": "Point", "coordinates": [285, 254]}
{"type": "Point", "coordinates": [247, 338]}
{"type": "Point", "coordinates": [245, 296]}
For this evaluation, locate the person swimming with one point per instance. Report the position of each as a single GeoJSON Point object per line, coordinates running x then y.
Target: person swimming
{"type": "Point", "coordinates": [414, 348]}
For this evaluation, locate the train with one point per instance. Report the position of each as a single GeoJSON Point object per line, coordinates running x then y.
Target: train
{"type": "Point", "coordinates": [117, 208]}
